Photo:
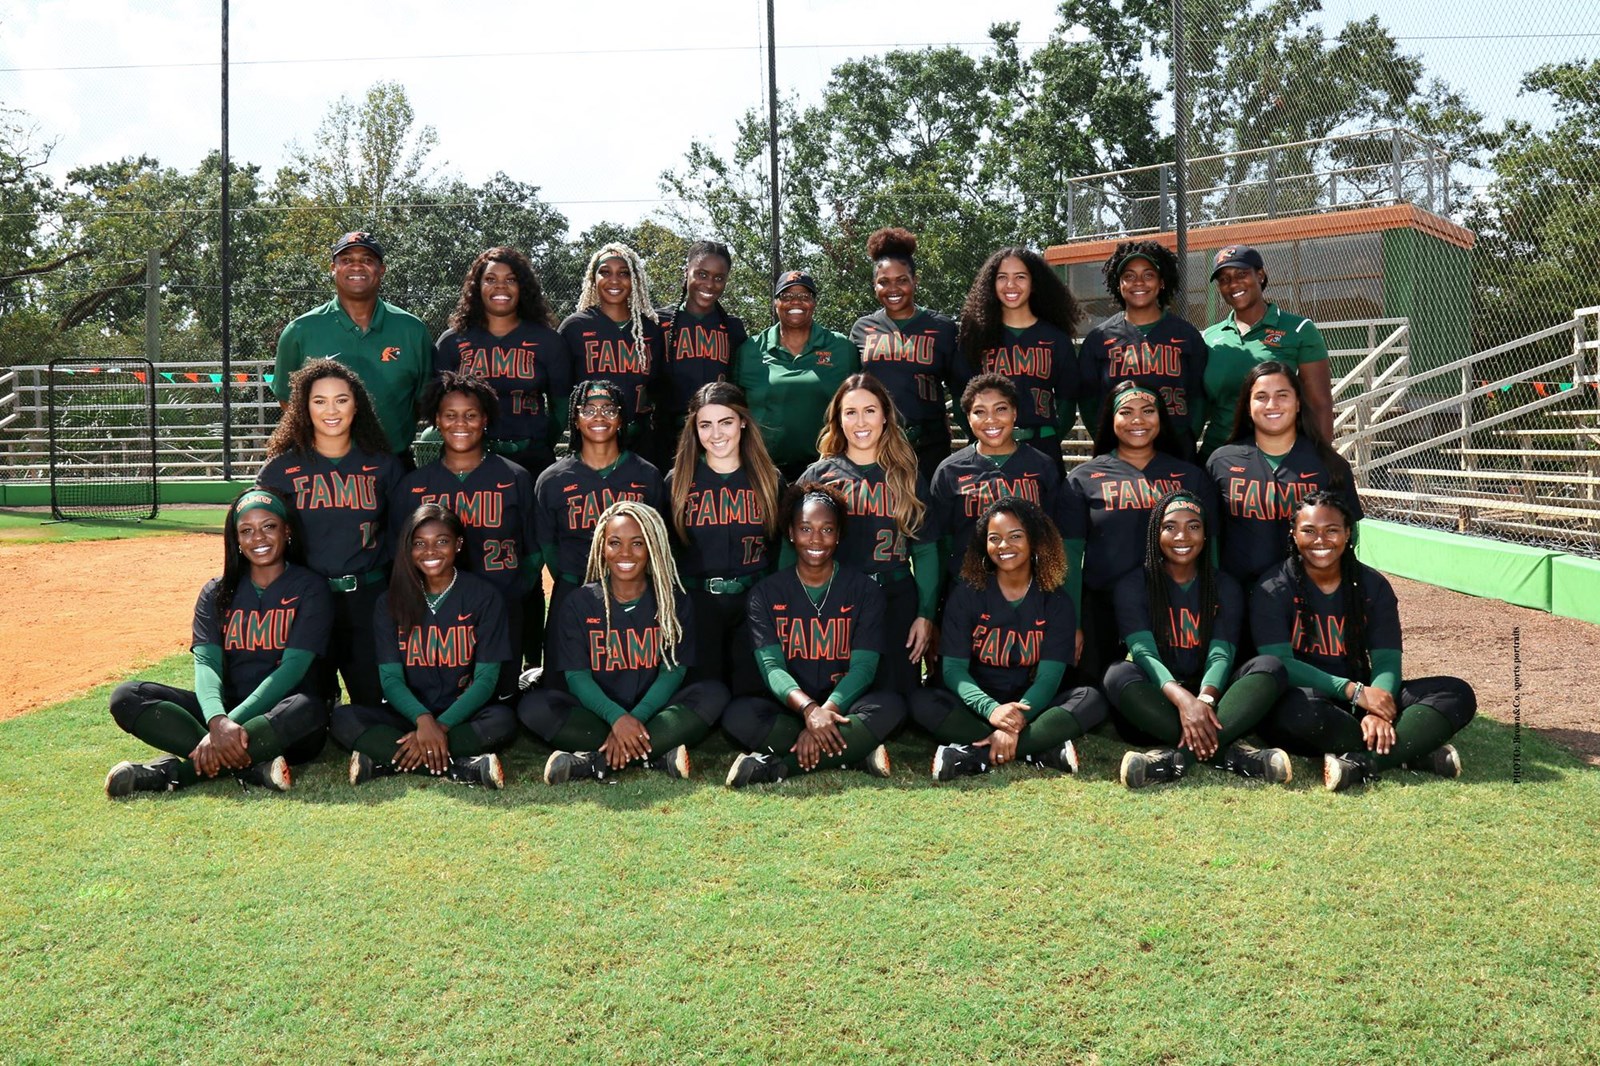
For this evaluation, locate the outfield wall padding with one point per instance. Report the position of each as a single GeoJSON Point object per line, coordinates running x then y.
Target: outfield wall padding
{"type": "Point", "coordinates": [1575, 587]}
{"type": "Point", "coordinates": [1474, 565]}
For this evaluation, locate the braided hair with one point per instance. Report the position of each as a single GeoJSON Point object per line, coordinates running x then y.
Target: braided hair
{"type": "Point", "coordinates": [1158, 255]}
{"type": "Point", "coordinates": [796, 496]}
{"type": "Point", "coordinates": [1044, 540]}
{"type": "Point", "coordinates": [1155, 575]}
{"type": "Point", "coordinates": [639, 307]}
{"type": "Point", "coordinates": [982, 327]}
{"type": "Point", "coordinates": [698, 250]}
{"type": "Point", "coordinates": [661, 567]}
{"type": "Point", "coordinates": [613, 391]}
{"type": "Point", "coordinates": [1357, 657]}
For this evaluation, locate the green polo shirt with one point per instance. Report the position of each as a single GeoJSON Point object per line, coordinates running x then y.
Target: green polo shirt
{"type": "Point", "coordinates": [789, 393]}
{"type": "Point", "coordinates": [1279, 335]}
{"type": "Point", "coordinates": [393, 357]}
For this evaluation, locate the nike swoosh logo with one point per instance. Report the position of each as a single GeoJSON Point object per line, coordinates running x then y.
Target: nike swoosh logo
{"type": "Point", "coordinates": [368, 469]}
{"type": "Point", "coordinates": [846, 610]}
{"type": "Point", "coordinates": [507, 485]}
{"type": "Point", "coordinates": [288, 601]}
{"type": "Point", "coordinates": [463, 617]}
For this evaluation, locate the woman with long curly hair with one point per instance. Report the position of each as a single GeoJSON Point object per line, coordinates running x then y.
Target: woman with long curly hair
{"type": "Point", "coordinates": [502, 332]}
{"type": "Point", "coordinates": [1018, 321]}
{"type": "Point", "coordinates": [330, 456]}
{"type": "Point", "coordinates": [867, 459]}
{"type": "Point", "coordinates": [1007, 641]}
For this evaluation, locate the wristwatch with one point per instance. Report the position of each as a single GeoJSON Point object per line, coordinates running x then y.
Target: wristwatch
{"type": "Point", "coordinates": [1208, 699]}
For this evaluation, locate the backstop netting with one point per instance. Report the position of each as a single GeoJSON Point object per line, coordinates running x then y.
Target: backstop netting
{"type": "Point", "coordinates": [102, 439]}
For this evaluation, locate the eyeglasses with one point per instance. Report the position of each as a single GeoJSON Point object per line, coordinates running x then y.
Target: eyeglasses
{"type": "Point", "coordinates": [599, 410]}
{"type": "Point", "coordinates": [791, 296]}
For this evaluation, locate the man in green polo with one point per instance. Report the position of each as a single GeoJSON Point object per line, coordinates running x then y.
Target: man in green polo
{"type": "Point", "coordinates": [389, 348]}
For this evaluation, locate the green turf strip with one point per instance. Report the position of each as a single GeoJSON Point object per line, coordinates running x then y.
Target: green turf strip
{"type": "Point", "coordinates": [1020, 917]}
{"type": "Point", "coordinates": [32, 526]}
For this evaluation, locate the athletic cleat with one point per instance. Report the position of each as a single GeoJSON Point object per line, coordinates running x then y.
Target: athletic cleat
{"type": "Point", "coordinates": [673, 762]}
{"type": "Point", "coordinates": [1340, 772]}
{"type": "Point", "coordinates": [126, 778]}
{"type": "Point", "coordinates": [530, 678]}
{"type": "Point", "coordinates": [755, 768]}
{"type": "Point", "coordinates": [1064, 758]}
{"type": "Point", "coordinates": [951, 761]}
{"type": "Point", "coordinates": [1265, 764]}
{"type": "Point", "coordinates": [1141, 768]}
{"type": "Point", "coordinates": [563, 766]}
{"type": "Point", "coordinates": [1445, 761]}
{"type": "Point", "coordinates": [273, 774]}
{"type": "Point", "coordinates": [876, 763]}
{"type": "Point", "coordinates": [363, 768]}
{"type": "Point", "coordinates": [485, 770]}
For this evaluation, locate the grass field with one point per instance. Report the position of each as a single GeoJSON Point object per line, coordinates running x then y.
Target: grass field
{"type": "Point", "coordinates": [30, 525]}
{"type": "Point", "coordinates": [1016, 918]}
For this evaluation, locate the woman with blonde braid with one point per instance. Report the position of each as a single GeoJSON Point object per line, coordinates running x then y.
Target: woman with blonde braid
{"type": "Point", "coordinates": [623, 642]}
{"type": "Point", "coordinates": [614, 334]}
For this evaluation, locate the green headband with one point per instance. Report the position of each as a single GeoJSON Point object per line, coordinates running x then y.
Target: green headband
{"type": "Point", "coordinates": [1135, 391]}
{"type": "Point", "coordinates": [596, 390]}
{"type": "Point", "coordinates": [1185, 501]}
{"type": "Point", "coordinates": [258, 500]}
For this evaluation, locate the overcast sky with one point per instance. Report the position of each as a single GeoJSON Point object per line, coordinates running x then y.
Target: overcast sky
{"type": "Point", "coordinates": [590, 101]}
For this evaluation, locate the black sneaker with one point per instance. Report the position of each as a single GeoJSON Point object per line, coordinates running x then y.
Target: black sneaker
{"type": "Point", "coordinates": [273, 774]}
{"type": "Point", "coordinates": [574, 766]}
{"type": "Point", "coordinates": [951, 761]}
{"type": "Point", "coordinates": [755, 768]}
{"type": "Point", "coordinates": [1445, 761]}
{"type": "Point", "coordinates": [363, 768]}
{"type": "Point", "coordinates": [876, 763]}
{"type": "Point", "coordinates": [1141, 768]}
{"type": "Point", "coordinates": [1264, 764]}
{"type": "Point", "coordinates": [484, 770]}
{"type": "Point", "coordinates": [126, 778]}
{"type": "Point", "coordinates": [1064, 758]}
{"type": "Point", "coordinates": [1340, 772]}
{"type": "Point", "coordinates": [674, 762]}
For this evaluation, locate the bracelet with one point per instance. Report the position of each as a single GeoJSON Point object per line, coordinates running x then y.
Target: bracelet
{"type": "Point", "coordinates": [1355, 698]}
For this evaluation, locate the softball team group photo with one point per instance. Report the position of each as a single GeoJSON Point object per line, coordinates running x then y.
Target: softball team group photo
{"type": "Point", "coordinates": [777, 536]}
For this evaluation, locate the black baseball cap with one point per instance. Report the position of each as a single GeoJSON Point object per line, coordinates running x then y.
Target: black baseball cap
{"type": "Point", "coordinates": [790, 278]}
{"type": "Point", "coordinates": [358, 239]}
{"type": "Point", "coordinates": [1236, 255]}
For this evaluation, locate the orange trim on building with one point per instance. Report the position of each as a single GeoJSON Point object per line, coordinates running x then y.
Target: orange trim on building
{"type": "Point", "coordinates": [1279, 231]}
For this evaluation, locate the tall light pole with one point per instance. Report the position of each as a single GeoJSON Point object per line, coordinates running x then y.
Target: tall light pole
{"type": "Point", "coordinates": [226, 261]}
{"type": "Point", "coordinates": [772, 129]}
{"type": "Point", "coordinates": [1180, 109]}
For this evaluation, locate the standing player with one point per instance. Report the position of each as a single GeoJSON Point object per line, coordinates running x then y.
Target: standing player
{"type": "Point", "coordinates": [1254, 332]}
{"type": "Point", "coordinates": [723, 501]}
{"type": "Point", "coordinates": [1182, 619]}
{"type": "Point", "coordinates": [623, 642]}
{"type": "Point", "coordinates": [500, 332]}
{"type": "Point", "coordinates": [992, 467]}
{"type": "Point", "coordinates": [1335, 623]}
{"type": "Point", "coordinates": [614, 335]}
{"type": "Point", "coordinates": [701, 337]}
{"type": "Point", "coordinates": [1146, 342]}
{"type": "Point", "coordinates": [1018, 321]}
{"type": "Point", "coordinates": [1007, 643]}
{"type": "Point", "coordinates": [818, 630]}
{"type": "Point", "coordinates": [571, 494]}
{"type": "Point", "coordinates": [1108, 502]}
{"type": "Point", "coordinates": [789, 372]}
{"type": "Point", "coordinates": [442, 642]}
{"type": "Point", "coordinates": [387, 347]}
{"type": "Point", "coordinates": [1274, 458]}
{"type": "Point", "coordinates": [329, 454]}
{"type": "Point", "coordinates": [490, 495]}
{"type": "Point", "coordinates": [911, 349]}
{"type": "Point", "coordinates": [256, 705]}
{"type": "Point", "coordinates": [867, 460]}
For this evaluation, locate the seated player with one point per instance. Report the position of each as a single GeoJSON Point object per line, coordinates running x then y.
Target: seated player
{"type": "Point", "coordinates": [1181, 618]}
{"type": "Point", "coordinates": [442, 642]}
{"type": "Point", "coordinates": [818, 631]}
{"type": "Point", "coordinates": [1007, 643]}
{"type": "Point", "coordinates": [1335, 623]}
{"type": "Point", "coordinates": [623, 643]}
{"type": "Point", "coordinates": [257, 704]}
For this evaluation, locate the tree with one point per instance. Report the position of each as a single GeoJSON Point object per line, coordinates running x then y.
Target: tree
{"type": "Point", "coordinates": [364, 155]}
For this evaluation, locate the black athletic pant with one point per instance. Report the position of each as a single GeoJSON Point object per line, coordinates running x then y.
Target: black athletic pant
{"type": "Point", "coordinates": [895, 672]}
{"type": "Point", "coordinates": [559, 591]}
{"type": "Point", "coordinates": [1102, 645]}
{"type": "Point", "coordinates": [723, 651]}
{"type": "Point", "coordinates": [170, 719]}
{"type": "Point", "coordinates": [558, 719]}
{"type": "Point", "coordinates": [1432, 710]}
{"type": "Point", "coordinates": [352, 646]}
{"type": "Point", "coordinates": [1144, 716]}
{"type": "Point", "coordinates": [758, 723]}
{"type": "Point", "coordinates": [1071, 714]}
{"type": "Point", "coordinates": [375, 730]}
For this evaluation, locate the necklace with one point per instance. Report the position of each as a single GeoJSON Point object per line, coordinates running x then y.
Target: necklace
{"type": "Point", "coordinates": [828, 588]}
{"type": "Point", "coordinates": [434, 601]}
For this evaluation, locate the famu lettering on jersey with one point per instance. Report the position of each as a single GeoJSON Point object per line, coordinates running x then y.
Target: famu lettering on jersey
{"type": "Point", "coordinates": [896, 347]}
{"type": "Point", "coordinates": [1266, 500]}
{"type": "Point", "coordinates": [698, 342]}
{"type": "Point", "coordinates": [628, 649]}
{"type": "Point", "coordinates": [864, 497]}
{"type": "Point", "coordinates": [815, 639]}
{"type": "Point", "coordinates": [1033, 361]}
{"type": "Point", "coordinates": [723, 506]}
{"type": "Point", "coordinates": [1144, 360]}
{"type": "Point", "coordinates": [447, 646]}
{"type": "Point", "coordinates": [478, 510]}
{"type": "Point", "coordinates": [1326, 638]}
{"type": "Point", "coordinates": [1130, 494]}
{"type": "Point", "coordinates": [258, 630]}
{"type": "Point", "coordinates": [353, 491]}
{"type": "Point", "coordinates": [1183, 628]}
{"type": "Point", "coordinates": [605, 357]}
{"type": "Point", "coordinates": [1006, 647]}
{"type": "Point", "coordinates": [513, 363]}
{"type": "Point", "coordinates": [977, 495]}
{"type": "Point", "coordinates": [584, 511]}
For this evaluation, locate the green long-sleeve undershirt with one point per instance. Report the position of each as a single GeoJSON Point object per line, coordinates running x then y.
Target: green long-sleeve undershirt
{"type": "Point", "coordinates": [275, 686]}
{"type": "Point", "coordinates": [1046, 683]}
{"type": "Point", "coordinates": [587, 691]}
{"type": "Point", "coordinates": [1219, 661]}
{"type": "Point", "coordinates": [1385, 672]}
{"type": "Point", "coordinates": [781, 683]}
{"type": "Point", "coordinates": [925, 571]}
{"type": "Point", "coordinates": [484, 678]}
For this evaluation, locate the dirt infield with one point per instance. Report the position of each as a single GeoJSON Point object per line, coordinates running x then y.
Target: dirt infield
{"type": "Point", "coordinates": [76, 615]}
{"type": "Point", "coordinates": [69, 626]}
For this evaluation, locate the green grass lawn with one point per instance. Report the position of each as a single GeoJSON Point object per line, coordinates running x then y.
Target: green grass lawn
{"type": "Point", "coordinates": [1021, 917]}
{"type": "Point", "coordinates": [33, 525]}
